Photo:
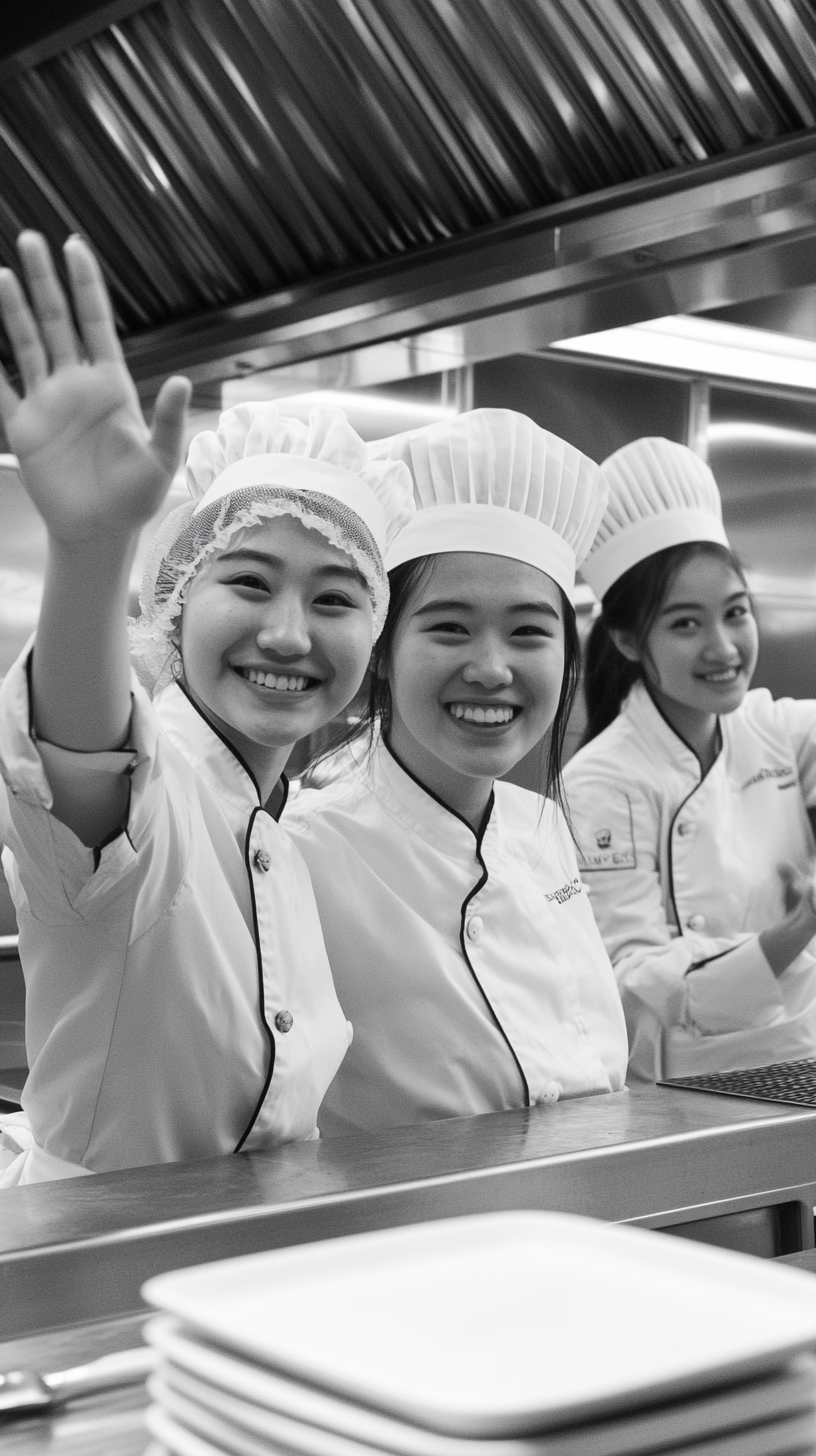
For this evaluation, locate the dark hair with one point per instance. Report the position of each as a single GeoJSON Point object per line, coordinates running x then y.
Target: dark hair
{"type": "Point", "coordinates": [373, 708]}
{"type": "Point", "coordinates": [631, 605]}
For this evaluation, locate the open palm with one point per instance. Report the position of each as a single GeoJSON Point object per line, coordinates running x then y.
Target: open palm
{"type": "Point", "coordinates": [87, 457]}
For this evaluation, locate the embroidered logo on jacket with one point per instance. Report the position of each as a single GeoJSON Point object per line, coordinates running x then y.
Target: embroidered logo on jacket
{"type": "Point", "coordinates": [614, 840]}
{"type": "Point", "coordinates": [572, 887]}
{"type": "Point", "coordinates": [768, 773]}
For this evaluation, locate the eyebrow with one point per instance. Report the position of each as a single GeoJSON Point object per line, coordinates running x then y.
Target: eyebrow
{"type": "Point", "coordinates": [265, 558]}
{"type": "Point", "coordinates": [699, 606]}
{"type": "Point", "coordinates": [450, 604]}
{"type": "Point", "coordinates": [454, 606]}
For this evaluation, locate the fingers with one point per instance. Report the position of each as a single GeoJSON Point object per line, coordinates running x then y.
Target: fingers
{"type": "Point", "coordinates": [42, 331]}
{"type": "Point", "coordinates": [793, 886]}
{"type": "Point", "coordinates": [168, 420]}
{"type": "Point", "coordinates": [23, 334]}
{"type": "Point", "coordinates": [92, 304]}
{"type": "Point", "coordinates": [8, 399]}
{"type": "Point", "coordinates": [48, 301]}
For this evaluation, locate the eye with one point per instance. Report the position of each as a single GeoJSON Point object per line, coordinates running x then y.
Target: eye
{"type": "Point", "coordinates": [533, 630]}
{"type": "Point", "coordinates": [683, 624]}
{"type": "Point", "coordinates": [335, 599]}
{"type": "Point", "coordinates": [450, 629]}
{"type": "Point", "coordinates": [250, 580]}
{"type": "Point", "coordinates": [739, 611]}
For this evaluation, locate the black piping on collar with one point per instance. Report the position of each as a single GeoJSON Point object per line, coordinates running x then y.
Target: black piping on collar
{"type": "Point", "coordinates": [283, 780]}
{"type": "Point", "coordinates": [217, 731]}
{"type": "Point", "coordinates": [480, 883]}
{"type": "Point", "coordinates": [679, 735]}
{"type": "Point", "coordinates": [477, 834]}
{"type": "Point", "coordinates": [268, 1032]}
{"type": "Point", "coordinates": [676, 815]}
{"type": "Point", "coordinates": [30, 686]}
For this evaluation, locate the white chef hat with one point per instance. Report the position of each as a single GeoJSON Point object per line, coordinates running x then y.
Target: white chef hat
{"type": "Point", "coordinates": [493, 481]}
{"type": "Point", "coordinates": [257, 465]}
{"type": "Point", "coordinates": [660, 494]}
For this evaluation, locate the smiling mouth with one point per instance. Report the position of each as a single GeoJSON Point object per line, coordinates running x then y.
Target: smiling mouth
{"type": "Point", "coordinates": [277, 681]}
{"type": "Point", "coordinates": [485, 716]}
{"type": "Point", "coordinates": [723, 676]}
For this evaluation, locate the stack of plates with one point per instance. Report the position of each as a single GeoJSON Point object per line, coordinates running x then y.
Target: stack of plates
{"type": "Point", "coordinates": [517, 1334]}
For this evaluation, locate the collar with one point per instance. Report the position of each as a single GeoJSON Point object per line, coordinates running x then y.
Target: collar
{"type": "Point", "coordinates": [641, 710]}
{"type": "Point", "coordinates": [407, 800]}
{"type": "Point", "coordinates": [202, 745]}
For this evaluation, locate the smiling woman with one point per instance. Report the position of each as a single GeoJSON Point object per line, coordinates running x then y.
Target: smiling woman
{"type": "Point", "coordinates": [179, 998]}
{"type": "Point", "coordinates": [474, 667]}
{"type": "Point", "coordinates": [462, 944]}
{"type": "Point", "coordinates": [273, 633]}
{"type": "Point", "coordinates": [692, 797]}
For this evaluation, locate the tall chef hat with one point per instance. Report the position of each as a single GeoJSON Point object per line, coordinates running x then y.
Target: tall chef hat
{"type": "Point", "coordinates": [257, 465]}
{"type": "Point", "coordinates": [492, 481]}
{"type": "Point", "coordinates": [660, 494]}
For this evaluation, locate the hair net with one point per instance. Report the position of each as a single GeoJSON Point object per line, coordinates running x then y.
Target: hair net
{"type": "Point", "coordinates": [257, 466]}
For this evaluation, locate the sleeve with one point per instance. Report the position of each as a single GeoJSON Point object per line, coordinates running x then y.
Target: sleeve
{"type": "Point", "coordinates": [796, 717]}
{"type": "Point", "coordinates": [715, 985]}
{"type": "Point", "coordinates": [55, 877]}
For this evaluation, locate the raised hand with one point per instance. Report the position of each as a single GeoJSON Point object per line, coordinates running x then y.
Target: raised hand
{"type": "Point", "coordinates": [89, 461]}
{"type": "Point", "coordinates": [797, 888]}
{"type": "Point", "coordinates": [783, 942]}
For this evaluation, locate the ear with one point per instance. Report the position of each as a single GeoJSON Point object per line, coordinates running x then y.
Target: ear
{"type": "Point", "coordinates": [625, 644]}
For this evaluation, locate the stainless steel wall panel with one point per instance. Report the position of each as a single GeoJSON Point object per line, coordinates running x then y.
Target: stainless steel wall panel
{"type": "Point", "coordinates": [219, 152]}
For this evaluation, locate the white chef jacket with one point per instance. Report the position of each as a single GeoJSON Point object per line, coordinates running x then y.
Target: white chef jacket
{"type": "Point", "coordinates": [179, 1001]}
{"type": "Point", "coordinates": [471, 966]}
{"type": "Point", "coordinates": [682, 871]}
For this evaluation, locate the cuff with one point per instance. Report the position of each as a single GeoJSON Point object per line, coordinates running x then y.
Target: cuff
{"type": "Point", "coordinates": [82, 770]}
{"type": "Point", "coordinates": [734, 991]}
{"type": "Point", "coordinates": [25, 759]}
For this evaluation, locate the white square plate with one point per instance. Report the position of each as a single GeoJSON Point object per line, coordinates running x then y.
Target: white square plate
{"type": "Point", "coordinates": [503, 1324]}
{"type": "Point", "coordinates": [762, 1407]}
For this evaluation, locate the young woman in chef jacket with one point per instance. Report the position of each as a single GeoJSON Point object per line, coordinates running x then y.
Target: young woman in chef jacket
{"type": "Point", "coordinates": [691, 800]}
{"type": "Point", "coordinates": [179, 997]}
{"type": "Point", "coordinates": [460, 936]}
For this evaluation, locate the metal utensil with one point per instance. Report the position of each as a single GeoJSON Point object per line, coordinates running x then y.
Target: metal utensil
{"type": "Point", "coordinates": [24, 1391]}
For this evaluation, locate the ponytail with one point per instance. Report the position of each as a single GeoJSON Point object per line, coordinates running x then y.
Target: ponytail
{"type": "Point", "coordinates": [631, 605]}
{"type": "Point", "coordinates": [608, 676]}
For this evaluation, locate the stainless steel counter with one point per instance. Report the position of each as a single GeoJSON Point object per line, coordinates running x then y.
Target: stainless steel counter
{"type": "Point", "coordinates": [74, 1254]}
{"type": "Point", "coordinates": [80, 1249]}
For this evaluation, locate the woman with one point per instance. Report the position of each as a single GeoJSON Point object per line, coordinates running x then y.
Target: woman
{"type": "Point", "coordinates": [462, 943]}
{"type": "Point", "coordinates": [691, 797]}
{"type": "Point", "coordinates": [179, 998]}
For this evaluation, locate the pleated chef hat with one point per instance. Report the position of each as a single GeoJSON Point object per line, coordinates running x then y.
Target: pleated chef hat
{"type": "Point", "coordinates": [257, 465]}
{"type": "Point", "coordinates": [660, 494]}
{"type": "Point", "coordinates": [492, 481]}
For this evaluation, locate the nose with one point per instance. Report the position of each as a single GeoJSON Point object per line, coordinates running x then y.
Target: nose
{"type": "Point", "coordinates": [285, 630]}
{"type": "Point", "coordinates": [719, 646]}
{"type": "Point", "coordinates": [488, 665]}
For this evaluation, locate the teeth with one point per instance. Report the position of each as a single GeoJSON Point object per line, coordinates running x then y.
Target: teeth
{"type": "Point", "coordinates": [471, 714]}
{"type": "Point", "coordinates": [727, 676]}
{"type": "Point", "coordinates": [275, 680]}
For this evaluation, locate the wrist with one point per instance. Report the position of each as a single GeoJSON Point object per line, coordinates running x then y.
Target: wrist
{"type": "Point", "coordinates": [106, 541]}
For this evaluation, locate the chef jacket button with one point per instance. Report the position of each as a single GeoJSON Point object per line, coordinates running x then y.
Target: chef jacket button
{"type": "Point", "coordinates": [261, 860]}
{"type": "Point", "coordinates": [696, 922]}
{"type": "Point", "coordinates": [552, 1092]}
{"type": "Point", "coordinates": [284, 1021]}
{"type": "Point", "coordinates": [474, 928]}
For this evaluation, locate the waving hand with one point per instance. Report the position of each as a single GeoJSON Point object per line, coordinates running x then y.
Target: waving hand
{"type": "Point", "coordinates": [96, 473]}
{"type": "Point", "coordinates": [88, 460]}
